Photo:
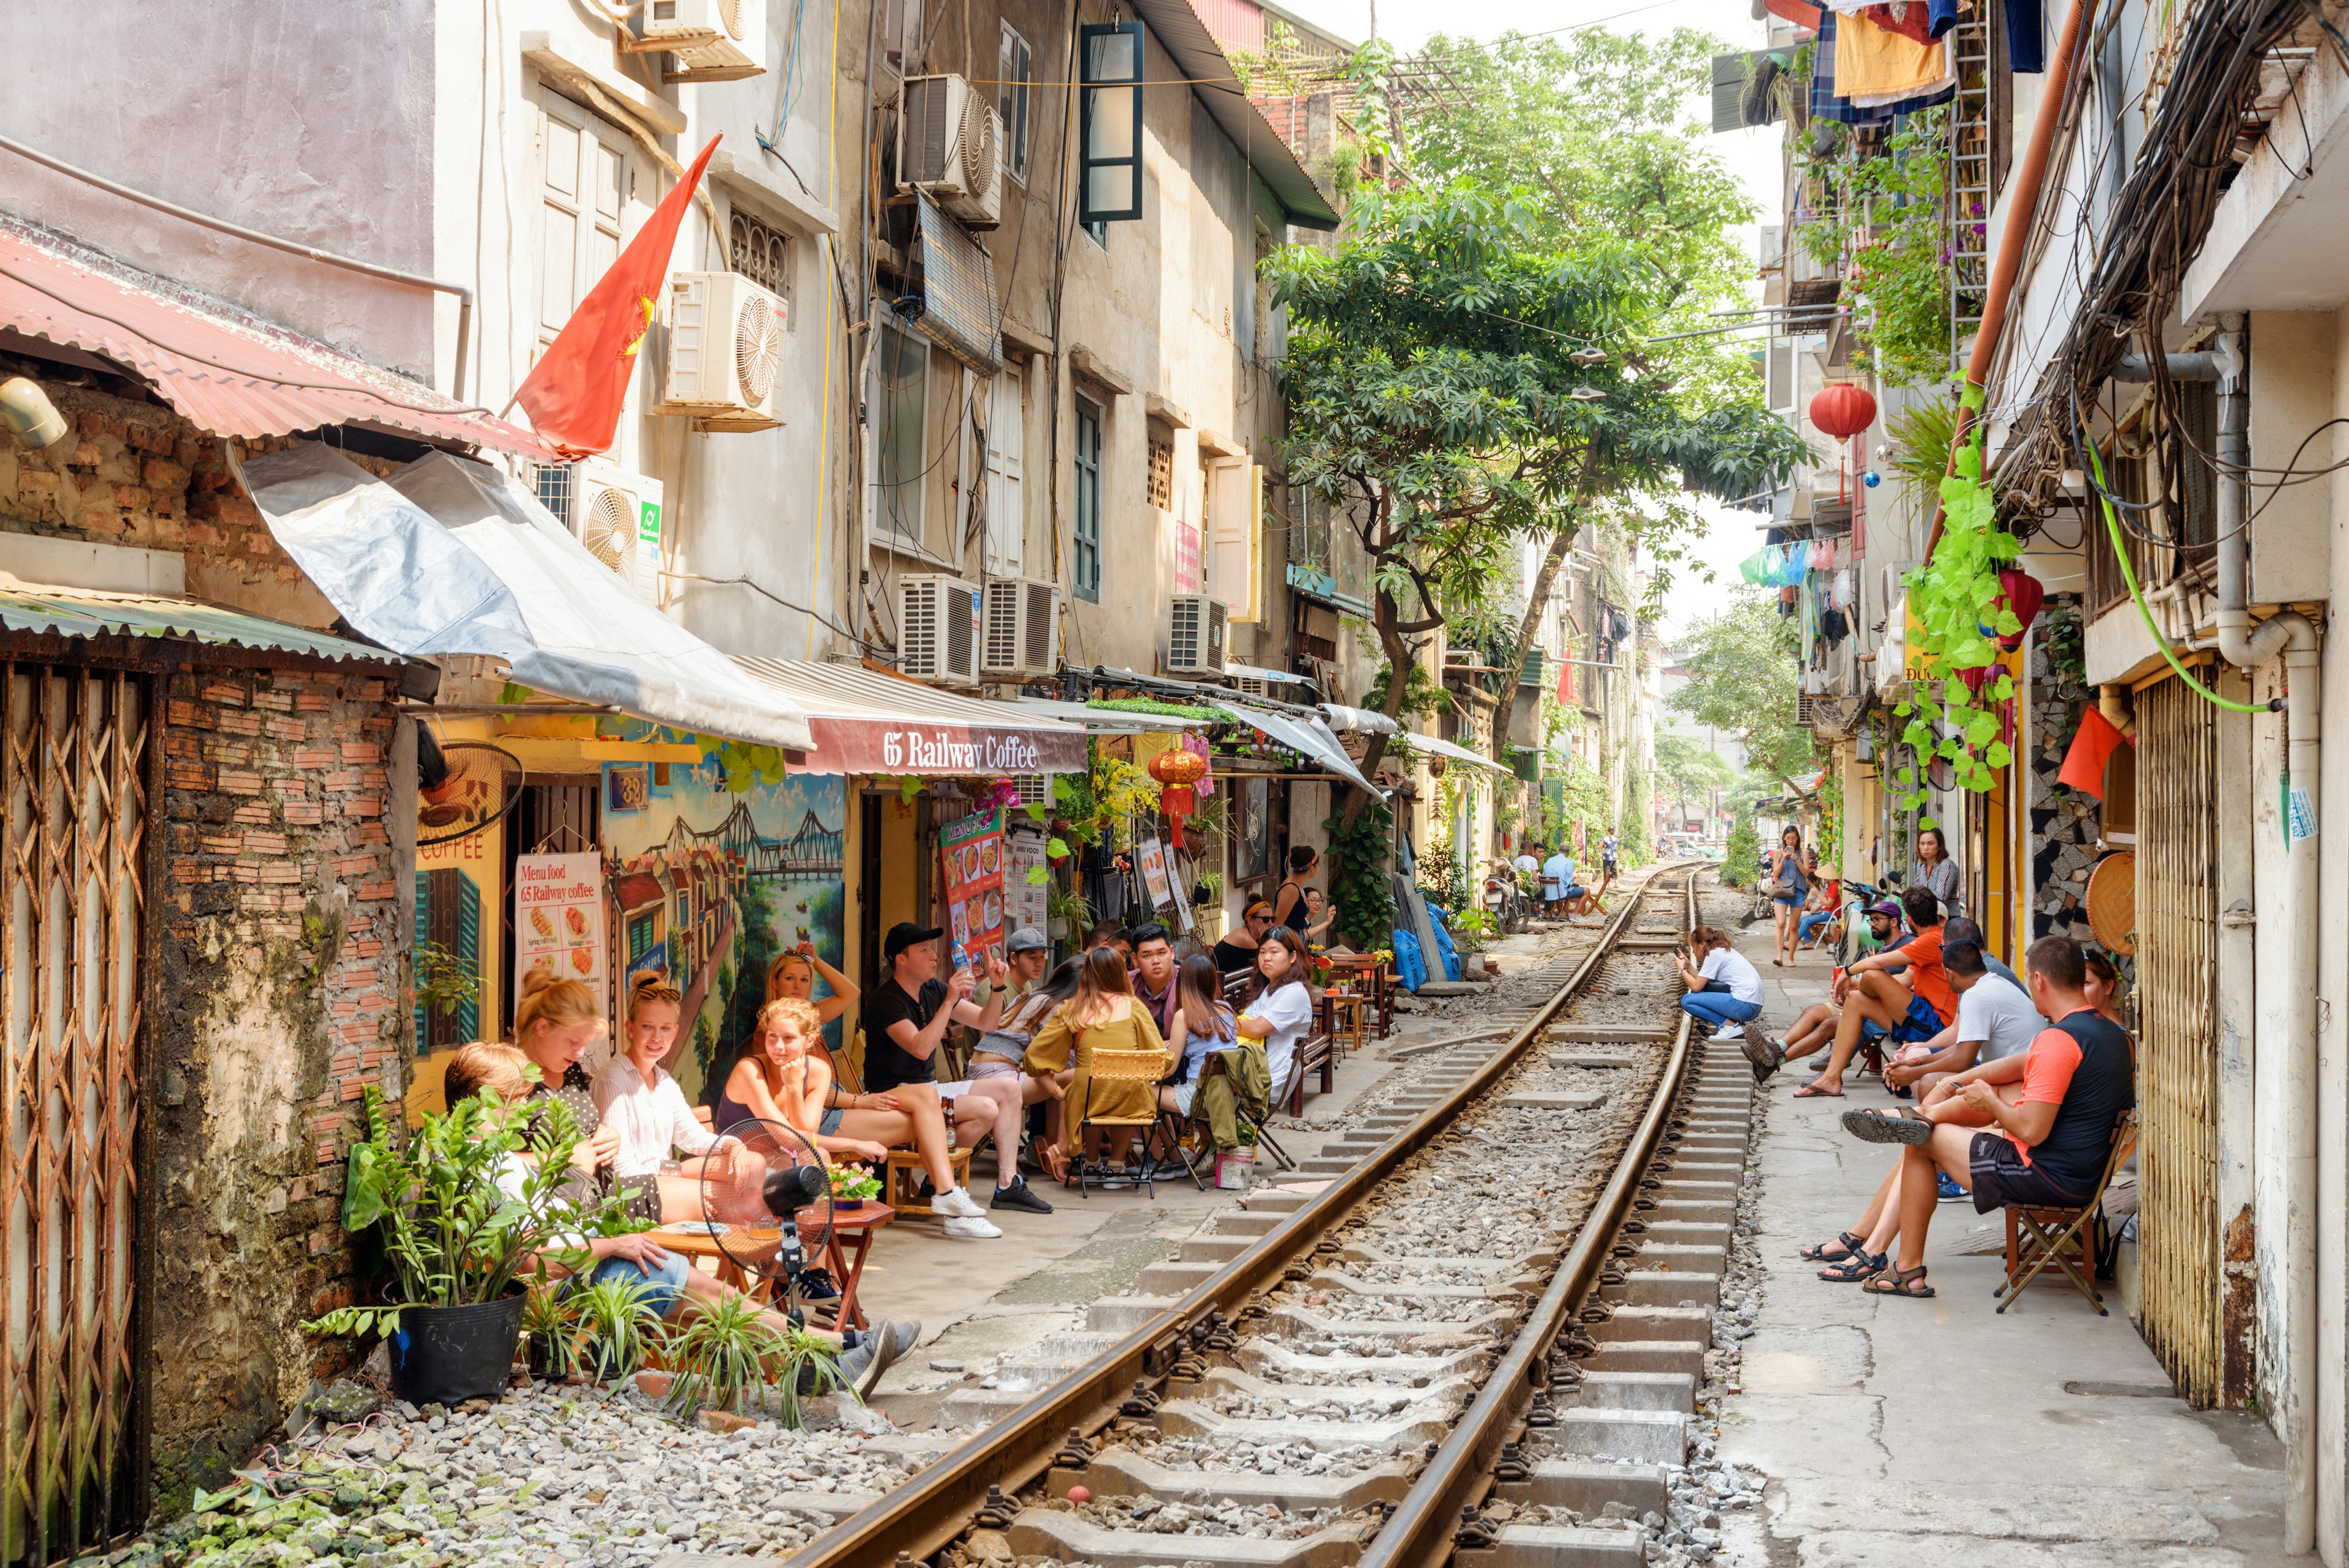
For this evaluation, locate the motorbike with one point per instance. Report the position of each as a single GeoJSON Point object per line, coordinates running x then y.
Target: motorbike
{"type": "Point", "coordinates": [1505, 903]}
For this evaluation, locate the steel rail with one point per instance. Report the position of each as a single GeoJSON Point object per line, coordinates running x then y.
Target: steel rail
{"type": "Point", "coordinates": [937, 1506]}
{"type": "Point", "coordinates": [1418, 1532]}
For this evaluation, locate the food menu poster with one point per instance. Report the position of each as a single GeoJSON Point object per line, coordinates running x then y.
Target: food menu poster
{"type": "Point", "coordinates": [559, 918]}
{"type": "Point", "coordinates": [972, 850]}
{"type": "Point", "coordinates": [1023, 901]}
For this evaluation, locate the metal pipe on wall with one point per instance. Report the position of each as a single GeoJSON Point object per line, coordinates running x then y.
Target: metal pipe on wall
{"type": "Point", "coordinates": [2284, 1089]}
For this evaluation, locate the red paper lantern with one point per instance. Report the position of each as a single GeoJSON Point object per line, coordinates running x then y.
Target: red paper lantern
{"type": "Point", "coordinates": [1177, 771]}
{"type": "Point", "coordinates": [1843, 409]}
{"type": "Point", "coordinates": [2023, 594]}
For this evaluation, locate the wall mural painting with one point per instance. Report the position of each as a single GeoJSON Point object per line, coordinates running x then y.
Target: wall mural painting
{"type": "Point", "coordinates": [710, 885]}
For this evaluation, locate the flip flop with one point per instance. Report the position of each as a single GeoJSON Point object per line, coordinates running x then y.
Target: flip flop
{"type": "Point", "coordinates": [1895, 1283]}
{"type": "Point", "coordinates": [1812, 1091]}
{"type": "Point", "coordinates": [1906, 1127]}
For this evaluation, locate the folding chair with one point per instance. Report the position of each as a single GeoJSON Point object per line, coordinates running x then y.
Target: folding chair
{"type": "Point", "coordinates": [1097, 1067]}
{"type": "Point", "coordinates": [2051, 1230]}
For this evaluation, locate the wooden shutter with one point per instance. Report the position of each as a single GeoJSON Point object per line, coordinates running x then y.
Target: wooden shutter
{"type": "Point", "coordinates": [1236, 538]}
{"type": "Point", "coordinates": [1006, 504]}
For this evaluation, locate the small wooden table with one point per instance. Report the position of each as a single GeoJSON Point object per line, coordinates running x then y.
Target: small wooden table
{"type": "Point", "coordinates": [842, 1254]}
{"type": "Point", "coordinates": [1341, 1017]}
{"type": "Point", "coordinates": [1375, 981]}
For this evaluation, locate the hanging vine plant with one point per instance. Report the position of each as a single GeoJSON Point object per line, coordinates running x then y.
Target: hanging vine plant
{"type": "Point", "coordinates": [1960, 713]}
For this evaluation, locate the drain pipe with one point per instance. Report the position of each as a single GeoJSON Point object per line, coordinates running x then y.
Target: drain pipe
{"type": "Point", "coordinates": [2284, 1089]}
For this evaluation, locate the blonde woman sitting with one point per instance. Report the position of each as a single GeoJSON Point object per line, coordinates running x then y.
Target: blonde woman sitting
{"type": "Point", "coordinates": [636, 1097]}
{"type": "Point", "coordinates": [785, 1077]}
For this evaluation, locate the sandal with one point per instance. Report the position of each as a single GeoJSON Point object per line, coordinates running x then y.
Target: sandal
{"type": "Point", "coordinates": [1819, 1254]}
{"type": "Point", "coordinates": [1896, 1282]}
{"type": "Point", "coordinates": [1906, 1126]}
{"type": "Point", "coordinates": [1858, 1267]}
{"type": "Point", "coordinates": [1817, 1090]}
{"type": "Point", "coordinates": [1056, 1161]}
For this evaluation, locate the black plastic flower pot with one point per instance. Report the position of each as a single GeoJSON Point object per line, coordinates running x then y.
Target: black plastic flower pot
{"type": "Point", "coordinates": [446, 1356]}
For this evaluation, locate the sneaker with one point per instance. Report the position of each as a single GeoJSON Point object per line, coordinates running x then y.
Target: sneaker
{"type": "Point", "coordinates": [1820, 1062]}
{"type": "Point", "coordinates": [879, 1352]}
{"type": "Point", "coordinates": [1729, 1032]}
{"type": "Point", "coordinates": [1019, 1195]}
{"type": "Point", "coordinates": [1871, 1127]}
{"type": "Point", "coordinates": [1950, 1192]}
{"type": "Point", "coordinates": [972, 1231]}
{"type": "Point", "coordinates": [956, 1203]}
{"type": "Point", "coordinates": [854, 1364]}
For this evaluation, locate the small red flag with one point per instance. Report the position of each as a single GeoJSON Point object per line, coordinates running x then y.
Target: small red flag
{"type": "Point", "coordinates": [2092, 746]}
{"type": "Point", "coordinates": [574, 391]}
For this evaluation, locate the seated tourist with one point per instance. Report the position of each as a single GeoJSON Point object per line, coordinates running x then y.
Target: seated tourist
{"type": "Point", "coordinates": [1995, 1018]}
{"type": "Point", "coordinates": [998, 1076]}
{"type": "Point", "coordinates": [1910, 1007]}
{"type": "Point", "coordinates": [2033, 1130]}
{"type": "Point", "coordinates": [792, 973]}
{"type": "Point", "coordinates": [1151, 972]}
{"type": "Point", "coordinates": [905, 1021]}
{"type": "Point", "coordinates": [783, 1077]}
{"type": "Point", "coordinates": [1203, 1027]}
{"type": "Point", "coordinates": [1725, 988]}
{"type": "Point", "coordinates": [673, 1287]}
{"type": "Point", "coordinates": [1102, 1011]}
{"type": "Point", "coordinates": [1825, 916]}
{"type": "Point", "coordinates": [1234, 953]}
{"type": "Point", "coordinates": [1321, 916]}
{"type": "Point", "coordinates": [635, 1096]}
{"type": "Point", "coordinates": [1281, 1012]}
{"type": "Point", "coordinates": [1814, 1028]}
{"type": "Point", "coordinates": [2105, 991]}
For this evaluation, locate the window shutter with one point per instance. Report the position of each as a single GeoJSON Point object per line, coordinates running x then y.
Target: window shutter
{"type": "Point", "coordinates": [1235, 537]}
{"type": "Point", "coordinates": [423, 935]}
{"type": "Point", "coordinates": [1007, 507]}
{"type": "Point", "coordinates": [469, 947]}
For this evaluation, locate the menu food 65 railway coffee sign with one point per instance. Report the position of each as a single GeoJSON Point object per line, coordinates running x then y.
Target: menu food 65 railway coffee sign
{"type": "Point", "coordinates": [558, 918]}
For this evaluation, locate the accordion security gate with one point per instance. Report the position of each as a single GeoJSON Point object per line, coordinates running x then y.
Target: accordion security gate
{"type": "Point", "coordinates": [73, 819]}
{"type": "Point", "coordinates": [2177, 1075]}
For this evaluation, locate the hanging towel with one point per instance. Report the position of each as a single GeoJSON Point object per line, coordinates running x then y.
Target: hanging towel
{"type": "Point", "coordinates": [1833, 626]}
{"type": "Point", "coordinates": [1921, 20]}
{"type": "Point", "coordinates": [2026, 35]}
{"type": "Point", "coordinates": [1827, 103]}
{"type": "Point", "coordinates": [1872, 63]}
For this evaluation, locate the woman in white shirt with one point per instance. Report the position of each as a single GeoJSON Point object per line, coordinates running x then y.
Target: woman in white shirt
{"type": "Point", "coordinates": [1725, 988]}
{"type": "Point", "coordinates": [635, 1094]}
{"type": "Point", "coordinates": [1282, 1012]}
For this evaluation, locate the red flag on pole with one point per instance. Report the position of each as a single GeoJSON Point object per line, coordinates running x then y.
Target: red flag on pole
{"type": "Point", "coordinates": [574, 391]}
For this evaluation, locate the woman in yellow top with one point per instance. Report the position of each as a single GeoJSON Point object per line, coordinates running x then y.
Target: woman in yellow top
{"type": "Point", "coordinates": [1101, 1016]}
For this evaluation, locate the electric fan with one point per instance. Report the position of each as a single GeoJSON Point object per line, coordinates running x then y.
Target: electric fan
{"type": "Point", "coordinates": [768, 1199]}
{"type": "Point", "coordinates": [463, 786]}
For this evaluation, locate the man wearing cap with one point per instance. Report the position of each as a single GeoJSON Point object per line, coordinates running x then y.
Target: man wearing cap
{"type": "Point", "coordinates": [905, 1021]}
{"type": "Point", "coordinates": [1813, 1029]}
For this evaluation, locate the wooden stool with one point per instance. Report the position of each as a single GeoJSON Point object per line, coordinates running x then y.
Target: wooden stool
{"type": "Point", "coordinates": [901, 1187]}
{"type": "Point", "coordinates": [1347, 1011]}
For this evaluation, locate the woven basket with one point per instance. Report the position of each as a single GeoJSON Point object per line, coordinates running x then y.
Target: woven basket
{"type": "Point", "coordinates": [2112, 902]}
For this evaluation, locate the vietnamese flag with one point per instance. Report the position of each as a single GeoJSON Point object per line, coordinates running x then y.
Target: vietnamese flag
{"type": "Point", "coordinates": [574, 391]}
{"type": "Point", "coordinates": [2092, 746]}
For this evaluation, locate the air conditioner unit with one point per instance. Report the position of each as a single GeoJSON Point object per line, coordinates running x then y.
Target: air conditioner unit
{"type": "Point", "coordinates": [1023, 628]}
{"type": "Point", "coordinates": [950, 144]}
{"type": "Point", "coordinates": [1195, 644]}
{"type": "Point", "coordinates": [616, 513]}
{"type": "Point", "coordinates": [725, 351]}
{"type": "Point", "coordinates": [704, 34]}
{"type": "Point", "coordinates": [938, 629]}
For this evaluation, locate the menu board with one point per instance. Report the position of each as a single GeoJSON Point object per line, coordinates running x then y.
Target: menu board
{"type": "Point", "coordinates": [558, 918]}
{"type": "Point", "coordinates": [1023, 857]}
{"type": "Point", "coordinates": [972, 850]}
{"type": "Point", "coordinates": [1153, 873]}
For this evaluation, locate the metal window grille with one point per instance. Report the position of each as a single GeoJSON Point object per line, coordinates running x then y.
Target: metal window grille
{"type": "Point", "coordinates": [759, 254]}
{"type": "Point", "coordinates": [1162, 473]}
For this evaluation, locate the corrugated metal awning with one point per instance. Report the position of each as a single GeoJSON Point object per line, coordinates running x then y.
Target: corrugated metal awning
{"type": "Point", "coordinates": [91, 612]}
{"type": "Point", "coordinates": [232, 374]}
{"type": "Point", "coordinates": [868, 723]}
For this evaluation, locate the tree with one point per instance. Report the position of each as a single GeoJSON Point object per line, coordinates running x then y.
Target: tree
{"type": "Point", "coordinates": [1744, 678]}
{"type": "Point", "coordinates": [1434, 402]}
{"type": "Point", "coordinates": [1687, 773]}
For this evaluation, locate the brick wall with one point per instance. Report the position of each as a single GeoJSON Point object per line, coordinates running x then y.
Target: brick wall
{"type": "Point", "coordinates": [283, 987]}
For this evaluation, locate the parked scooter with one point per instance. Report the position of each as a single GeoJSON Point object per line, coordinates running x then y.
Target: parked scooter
{"type": "Point", "coordinates": [1506, 903]}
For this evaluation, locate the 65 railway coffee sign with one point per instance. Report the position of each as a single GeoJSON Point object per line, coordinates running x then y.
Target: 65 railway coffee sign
{"type": "Point", "coordinates": [848, 745]}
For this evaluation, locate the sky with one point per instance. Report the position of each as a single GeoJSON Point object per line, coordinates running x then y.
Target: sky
{"type": "Point", "coordinates": [1751, 155]}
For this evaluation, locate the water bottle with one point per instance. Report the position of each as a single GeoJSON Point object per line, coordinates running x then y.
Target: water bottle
{"type": "Point", "coordinates": [961, 957]}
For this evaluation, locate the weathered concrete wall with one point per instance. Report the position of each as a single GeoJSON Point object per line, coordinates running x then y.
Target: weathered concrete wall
{"type": "Point", "coordinates": [283, 967]}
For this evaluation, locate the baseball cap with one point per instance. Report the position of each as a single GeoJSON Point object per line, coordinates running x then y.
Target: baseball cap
{"type": "Point", "coordinates": [1885, 907]}
{"type": "Point", "coordinates": [1027, 940]}
{"type": "Point", "coordinates": [905, 934]}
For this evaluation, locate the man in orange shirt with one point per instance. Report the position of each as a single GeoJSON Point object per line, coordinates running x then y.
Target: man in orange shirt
{"type": "Point", "coordinates": [1911, 1008]}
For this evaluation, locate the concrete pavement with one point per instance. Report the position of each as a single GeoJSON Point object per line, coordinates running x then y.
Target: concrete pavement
{"type": "Point", "coordinates": [1930, 1433]}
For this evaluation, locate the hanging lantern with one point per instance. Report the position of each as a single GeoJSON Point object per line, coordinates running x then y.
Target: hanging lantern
{"type": "Point", "coordinates": [1978, 677]}
{"type": "Point", "coordinates": [1178, 773]}
{"type": "Point", "coordinates": [1844, 411]}
{"type": "Point", "coordinates": [2023, 594]}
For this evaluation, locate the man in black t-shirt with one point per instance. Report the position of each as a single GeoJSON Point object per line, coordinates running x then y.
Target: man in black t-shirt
{"type": "Point", "coordinates": [905, 1021]}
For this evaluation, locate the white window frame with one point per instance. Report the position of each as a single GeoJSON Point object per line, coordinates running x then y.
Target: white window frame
{"type": "Point", "coordinates": [597, 235]}
{"type": "Point", "coordinates": [1015, 100]}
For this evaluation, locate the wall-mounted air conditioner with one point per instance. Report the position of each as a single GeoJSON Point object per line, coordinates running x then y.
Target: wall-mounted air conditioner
{"type": "Point", "coordinates": [616, 513]}
{"type": "Point", "coordinates": [1023, 628]}
{"type": "Point", "coordinates": [707, 36]}
{"type": "Point", "coordinates": [726, 338]}
{"type": "Point", "coordinates": [950, 144]}
{"type": "Point", "coordinates": [939, 628]}
{"type": "Point", "coordinates": [1195, 645]}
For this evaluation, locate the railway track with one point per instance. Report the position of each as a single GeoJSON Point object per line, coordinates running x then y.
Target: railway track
{"type": "Point", "coordinates": [1482, 1338]}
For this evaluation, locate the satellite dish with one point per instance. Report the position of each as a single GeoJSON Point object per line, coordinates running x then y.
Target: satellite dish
{"type": "Point", "coordinates": [768, 1199]}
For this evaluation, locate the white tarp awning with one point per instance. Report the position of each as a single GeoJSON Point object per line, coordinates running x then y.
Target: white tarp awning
{"type": "Point", "coordinates": [1111, 720]}
{"type": "Point", "coordinates": [450, 556]}
{"type": "Point", "coordinates": [1308, 737]}
{"type": "Point", "coordinates": [1446, 750]}
{"type": "Point", "coordinates": [1338, 716]}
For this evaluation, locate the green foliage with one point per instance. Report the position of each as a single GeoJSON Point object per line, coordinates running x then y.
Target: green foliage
{"type": "Point", "coordinates": [1423, 697]}
{"type": "Point", "coordinates": [1358, 852]}
{"type": "Point", "coordinates": [1884, 227]}
{"type": "Point", "coordinates": [1744, 678]}
{"type": "Point", "coordinates": [1688, 774]}
{"type": "Point", "coordinates": [1164, 709]}
{"type": "Point", "coordinates": [550, 1321]}
{"type": "Point", "coordinates": [445, 980]}
{"type": "Point", "coordinates": [854, 1182]}
{"type": "Point", "coordinates": [451, 1235]}
{"type": "Point", "coordinates": [621, 1325]}
{"type": "Point", "coordinates": [1953, 600]}
{"type": "Point", "coordinates": [1637, 846]}
{"type": "Point", "coordinates": [722, 1359]}
{"type": "Point", "coordinates": [1921, 437]}
{"type": "Point", "coordinates": [1831, 818]}
{"type": "Point", "coordinates": [1741, 861]}
{"type": "Point", "coordinates": [747, 764]}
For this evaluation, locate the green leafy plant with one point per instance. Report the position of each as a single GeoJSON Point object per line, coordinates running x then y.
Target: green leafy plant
{"type": "Point", "coordinates": [1472, 929]}
{"type": "Point", "coordinates": [453, 1237]}
{"type": "Point", "coordinates": [1074, 907]}
{"type": "Point", "coordinates": [550, 1320]}
{"type": "Point", "coordinates": [1212, 881]}
{"type": "Point", "coordinates": [622, 1326]}
{"type": "Point", "coordinates": [1741, 860]}
{"type": "Point", "coordinates": [1193, 710]}
{"type": "Point", "coordinates": [445, 980]}
{"type": "Point", "coordinates": [1358, 883]}
{"type": "Point", "coordinates": [854, 1182]}
{"type": "Point", "coordinates": [1883, 224]}
{"type": "Point", "coordinates": [1921, 436]}
{"type": "Point", "coordinates": [722, 1359]}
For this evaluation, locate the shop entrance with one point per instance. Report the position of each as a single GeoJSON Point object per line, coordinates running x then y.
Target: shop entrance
{"type": "Point", "coordinates": [73, 835]}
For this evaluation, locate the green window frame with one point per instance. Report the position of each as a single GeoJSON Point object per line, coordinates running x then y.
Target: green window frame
{"type": "Point", "coordinates": [1086, 525]}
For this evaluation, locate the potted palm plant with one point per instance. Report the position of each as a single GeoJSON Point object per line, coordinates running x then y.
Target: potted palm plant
{"type": "Point", "coordinates": [459, 1244]}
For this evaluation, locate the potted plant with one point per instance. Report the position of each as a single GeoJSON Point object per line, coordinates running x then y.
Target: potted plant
{"type": "Point", "coordinates": [727, 1359]}
{"type": "Point", "coordinates": [457, 1244]}
{"type": "Point", "coordinates": [1067, 914]}
{"type": "Point", "coordinates": [852, 1185]}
